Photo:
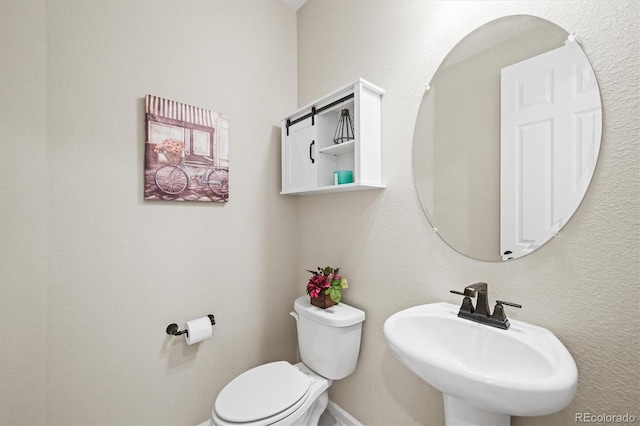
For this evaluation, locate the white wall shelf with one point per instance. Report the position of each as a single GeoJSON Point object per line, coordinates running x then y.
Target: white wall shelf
{"type": "Point", "coordinates": [339, 149]}
{"type": "Point", "coordinates": [309, 155]}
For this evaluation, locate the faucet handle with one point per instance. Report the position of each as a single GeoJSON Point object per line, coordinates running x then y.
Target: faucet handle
{"type": "Point", "coordinates": [502, 302]}
{"type": "Point", "coordinates": [498, 311]}
{"type": "Point", "coordinates": [467, 306]}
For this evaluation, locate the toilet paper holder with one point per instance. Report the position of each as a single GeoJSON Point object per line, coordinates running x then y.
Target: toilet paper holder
{"type": "Point", "coordinates": [172, 329]}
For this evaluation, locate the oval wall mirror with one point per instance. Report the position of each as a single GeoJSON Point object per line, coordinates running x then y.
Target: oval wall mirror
{"type": "Point", "coordinates": [507, 138]}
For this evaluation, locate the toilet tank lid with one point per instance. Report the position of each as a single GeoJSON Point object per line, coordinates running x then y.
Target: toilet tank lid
{"type": "Point", "coordinates": [340, 315]}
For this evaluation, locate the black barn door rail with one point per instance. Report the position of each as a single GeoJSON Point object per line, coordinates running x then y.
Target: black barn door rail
{"type": "Point", "coordinates": [315, 111]}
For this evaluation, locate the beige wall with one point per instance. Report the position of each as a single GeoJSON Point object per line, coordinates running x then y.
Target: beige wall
{"type": "Point", "coordinates": [23, 212]}
{"type": "Point", "coordinates": [91, 274]}
{"type": "Point", "coordinates": [584, 285]}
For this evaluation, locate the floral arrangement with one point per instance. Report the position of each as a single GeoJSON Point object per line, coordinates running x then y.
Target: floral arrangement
{"type": "Point", "coordinates": [326, 281]}
{"type": "Point", "coordinates": [171, 148]}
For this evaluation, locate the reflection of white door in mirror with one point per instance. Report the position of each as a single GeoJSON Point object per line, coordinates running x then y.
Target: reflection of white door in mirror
{"type": "Point", "coordinates": [551, 123]}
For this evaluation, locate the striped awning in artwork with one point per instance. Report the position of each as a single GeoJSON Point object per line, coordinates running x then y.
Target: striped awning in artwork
{"type": "Point", "coordinates": [179, 111]}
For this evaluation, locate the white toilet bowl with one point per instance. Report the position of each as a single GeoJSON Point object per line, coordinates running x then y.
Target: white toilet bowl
{"type": "Point", "coordinates": [282, 394]}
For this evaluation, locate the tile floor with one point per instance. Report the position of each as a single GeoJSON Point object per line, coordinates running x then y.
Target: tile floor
{"type": "Point", "coordinates": [326, 419]}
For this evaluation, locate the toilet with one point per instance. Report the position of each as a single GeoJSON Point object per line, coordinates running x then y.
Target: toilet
{"type": "Point", "coordinates": [279, 393]}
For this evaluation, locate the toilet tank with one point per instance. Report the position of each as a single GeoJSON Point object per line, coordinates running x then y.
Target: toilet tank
{"type": "Point", "coordinates": [329, 339]}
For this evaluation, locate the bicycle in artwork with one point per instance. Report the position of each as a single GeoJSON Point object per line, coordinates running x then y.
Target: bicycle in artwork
{"type": "Point", "coordinates": [175, 178]}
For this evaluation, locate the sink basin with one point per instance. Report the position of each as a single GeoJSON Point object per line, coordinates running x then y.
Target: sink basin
{"type": "Point", "coordinates": [483, 371]}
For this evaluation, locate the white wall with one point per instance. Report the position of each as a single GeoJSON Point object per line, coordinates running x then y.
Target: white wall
{"type": "Point", "coordinates": [91, 273]}
{"type": "Point", "coordinates": [584, 285]}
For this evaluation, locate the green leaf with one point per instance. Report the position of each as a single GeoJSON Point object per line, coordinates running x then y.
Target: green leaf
{"type": "Point", "coordinates": [336, 294]}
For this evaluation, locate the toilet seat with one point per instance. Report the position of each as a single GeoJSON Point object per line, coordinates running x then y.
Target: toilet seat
{"type": "Point", "coordinates": [263, 395]}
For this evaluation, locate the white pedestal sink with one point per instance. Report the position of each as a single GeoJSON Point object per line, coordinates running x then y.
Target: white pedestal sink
{"type": "Point", "coordinates": [486, 374]}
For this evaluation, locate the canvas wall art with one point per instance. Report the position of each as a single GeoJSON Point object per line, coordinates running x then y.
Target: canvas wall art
{"type": "Point", "coordinates": [186, 152]}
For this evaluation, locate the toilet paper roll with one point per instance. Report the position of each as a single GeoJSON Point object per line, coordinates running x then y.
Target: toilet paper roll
{"type": "Point", "coordinates": [198, 330]}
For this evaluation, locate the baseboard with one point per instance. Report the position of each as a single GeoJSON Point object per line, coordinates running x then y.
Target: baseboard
{"type": "Point", "coordinates": [342, 417]}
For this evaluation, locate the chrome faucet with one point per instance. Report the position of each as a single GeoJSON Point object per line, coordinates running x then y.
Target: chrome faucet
{"type": "Point", "coordinates": [481, 313]}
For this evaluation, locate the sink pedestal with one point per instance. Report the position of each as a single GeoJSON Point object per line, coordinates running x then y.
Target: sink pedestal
{"type": "Point", "coordinates": [460, 413]}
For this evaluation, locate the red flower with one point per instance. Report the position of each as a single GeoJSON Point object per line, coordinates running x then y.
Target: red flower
{"type": "Point", "coordinates": [317, 283]}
